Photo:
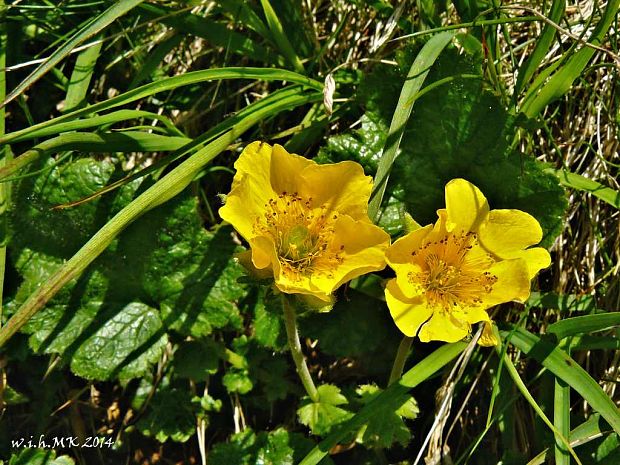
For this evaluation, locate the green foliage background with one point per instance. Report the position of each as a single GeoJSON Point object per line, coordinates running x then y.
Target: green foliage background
{"type": "Point", "coordinates": [126, 117]}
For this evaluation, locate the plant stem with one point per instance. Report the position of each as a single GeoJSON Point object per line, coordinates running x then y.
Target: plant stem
{"type": "Point", "coordinates": [292, 335]}
{"type": "Point", "coordinates": [401, 358]}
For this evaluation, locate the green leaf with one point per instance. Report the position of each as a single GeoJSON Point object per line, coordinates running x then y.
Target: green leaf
{"type": "Point", "coordinates": [386, 429]}
{"type": "Point", "coordinates": [323, 415]}
{"type": "Point", "coordinates": [363, 145]}
{"type": "Point", "coordinates": [170, 415]}
{"type": "Point", "coordinates": [269, 328]}
{"type": "Point", "coordinates": [196, 360]}
{"type": "Point", "coordinates": [238, 381]}
{"type": "Point", "coordinates": [167, 259]}
{"type": "Point", "coordinates": [188, 270]}
{"type": "Point", "coordinates": [126, 346]}
{"type": "Point", "coordinates": [81, 76]}
{"type": "Point", "coordinates": [576, 181]}
{"type": "Point", "coordinates": [279, 37]}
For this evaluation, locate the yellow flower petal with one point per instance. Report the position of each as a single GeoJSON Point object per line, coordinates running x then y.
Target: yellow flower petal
{"type": "Point", "coordinates": [471, 315]}
{"type": "Point", "coordinates": [443, 327]}
{"type": "Point", "coordinates": [251, 189]}
{"type": "Point", "coordinates": [399, 258]}
{"type": "Point", "coordinates": [343, 187]}
{"type": "Point", "coordinates": [508, 231]}
{"type": "Point", "coordinates": [408, 314]}
{"type": "Point", "coordinates": [467, 207]}
{"type": "Point", "coordinates": [513, 283]}
{"type": "Point", "coordinates": [488, 337]}
{"type": "Point", "coordinates": [284, 166]}
{"type": "Point", "coordinates": [362, 247]}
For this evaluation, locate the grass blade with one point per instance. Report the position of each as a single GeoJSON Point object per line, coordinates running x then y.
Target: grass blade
{"type": "Point", "coordinates": [156, 56]}
{"type": "Point", "coordinates": [385, 402]}
{"type": "Point", "coordinates": [97, 25]}
{"type": "Point", "coordinates": [128, 141]}
{"type": "Point", "coordinates": [96, 122]}
{"type": "Point", "coordinates": [543, 43]}
{"type": "Point", "coordinates": [216, 33]}
{"type": "Point", "coordinates": [280, 38]}
{"type": "Point", "coordinates": [591, 429]}
{"type": "Point", "coordinates": [561, 420]}
{"type": "Point", "coordinates": [514, 374]}
{"type": "Point", "coordinates": [576, 181]}
{"type": "Point", "coordinates": [163, 190]}
{"type": "Point", "coordinates": [266, 74]}
{"type": "Point", "coordinates": [565, 368]}
{"type": "Point", "coordinates": [81, 76]}
{"type": "Point", "coordinates": [413, 83]}
{"type": "Point", "coordinates": [562, 80]}
{"type": "Point", "coordinates": [584, 324]}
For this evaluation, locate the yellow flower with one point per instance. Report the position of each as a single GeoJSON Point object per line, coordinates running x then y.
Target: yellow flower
{"type": "Point", "coordinates": [307, 224]}
{"type": "Point", "coordinates": [448, 274]}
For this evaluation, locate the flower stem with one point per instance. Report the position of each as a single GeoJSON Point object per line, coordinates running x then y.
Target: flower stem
{"type": "Point", "coordinates": [292, 335]}
{"type": "Point", "coordinates": [401, 358]}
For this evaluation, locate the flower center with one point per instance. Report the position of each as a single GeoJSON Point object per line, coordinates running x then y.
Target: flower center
{"type": "Point", "coordinates": [453, 271]}
{"type": "Point", "coordinates": [302, 234]}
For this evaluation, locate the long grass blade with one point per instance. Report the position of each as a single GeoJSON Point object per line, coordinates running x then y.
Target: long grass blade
{"type": "Point", "coordinates": [593, 428]}
{"type": "Point", "coordinates": [97, 25]}
{"type": "Point", "coordinates": [584, 324]}
{"type": "Point", "coordinates": [561, 420]}
{"type": "Point", "coordinates": [565, 368]}
{"type": "Point", "coordinates": [514, 374]}
{"type": "Point", "coordinates": [81, 76]}
{"type": "Point", "coordinates": [280, 38]}
{"type": "Point", "coordinates": [413, 83]}
{"type": "Point", "coordinates": [562, 80]}
{"type": "Point", "coordinates": [128, 141]}
{"type": "Point", "coordinates": [543, 44]}
{"type": "Point", "coordinates": [576, 181]}
{"type": "Point", "coordinates": [265, 74]}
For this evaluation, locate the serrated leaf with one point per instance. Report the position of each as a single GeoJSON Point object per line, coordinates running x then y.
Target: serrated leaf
{"type": "Point", "coordinates": [170, 415]}
{"type": "Point", "coordinates": [124, 347]}
{"type": "Point", "coordinates": [238, 381]}
{"type": "Point", "coordinates": [196, 360]}
{"type": "Point", "coordinates": [323, 415]}
{"type": "Point", "coordinates": [460, 130]}
{"type": "Point", "coordinates": [363, 145]}
{"type": "Point", "coordinates": [277, 447]}
{"type": "Point", "coordinates": [39, 457]}
{"type": "Point", "coordinates": [268, 323]}
{"type": "Point", "coordinates": [386, 429]}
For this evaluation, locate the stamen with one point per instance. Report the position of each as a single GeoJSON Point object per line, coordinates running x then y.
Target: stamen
{"type": "Point", "coordinates": [302, 233]}
{"type": "Point", "coordinates": [454, 272]}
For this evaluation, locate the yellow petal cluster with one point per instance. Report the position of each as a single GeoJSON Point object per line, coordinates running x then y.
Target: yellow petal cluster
{"type": "Point", "coordinates": [448, 274]}
{"type": "Point", "coordinates": [306, 224]}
